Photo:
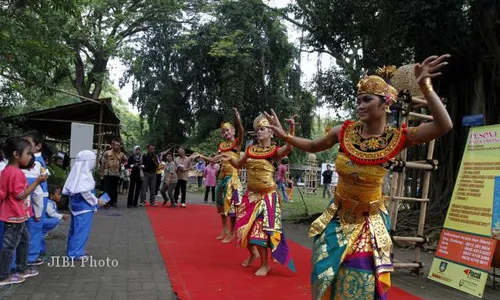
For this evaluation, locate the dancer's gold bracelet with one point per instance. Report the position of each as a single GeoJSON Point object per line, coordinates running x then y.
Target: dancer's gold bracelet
{"type": "Point", "coordinates": [426, 86]}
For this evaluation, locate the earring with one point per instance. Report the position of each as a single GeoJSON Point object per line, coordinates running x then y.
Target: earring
{"type": "Point", "coordinates": [387, 109]}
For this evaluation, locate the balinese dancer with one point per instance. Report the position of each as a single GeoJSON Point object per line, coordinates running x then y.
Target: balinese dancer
{"type": "Point", "coordinates": [352, 246]}
{"type": "Point", "coordinates": [228, 183]}
{"type": "Point", "coordinates": [83, 203]}
{"type": "Point", "coordinates": [259, 214]}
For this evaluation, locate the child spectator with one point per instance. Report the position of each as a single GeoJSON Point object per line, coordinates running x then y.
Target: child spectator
{"type": "Point", "coordinates": [80, 188]}
{"type": "Point", "coordinates": [53, 218]}
{"type": "Point", "coordinates": [15, 210]}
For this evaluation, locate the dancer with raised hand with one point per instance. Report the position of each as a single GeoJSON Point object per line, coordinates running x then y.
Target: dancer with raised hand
{"type": "Point", "coordinates": [258, 221]}
{"type": "Point", "coordinates": [352, 246]}
{"type": "Point", "coordinates": [228, 183]}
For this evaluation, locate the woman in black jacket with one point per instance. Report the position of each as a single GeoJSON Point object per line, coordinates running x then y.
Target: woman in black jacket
{"type": "Point", "coordinates": [136, 174]}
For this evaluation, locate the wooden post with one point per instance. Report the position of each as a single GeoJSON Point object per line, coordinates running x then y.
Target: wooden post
{"type": "Point", "coordinates": [99, 137]}
{"type": "Point", "coordinates": [398, 190]}
{"type": "Point", "coordinates": [425, 194]}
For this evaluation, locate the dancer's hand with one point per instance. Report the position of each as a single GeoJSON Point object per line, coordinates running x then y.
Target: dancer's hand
{"type": "Point", "coordinates": [224, 156]}
{"type": "Point", "coordinates": [275, 125]}
{"type": "Point", "coordinates": [65, 217]}
{"type": "Point", "coordinates": [429, 67]}
{"type": "Point", "coordinates": [101, 203]}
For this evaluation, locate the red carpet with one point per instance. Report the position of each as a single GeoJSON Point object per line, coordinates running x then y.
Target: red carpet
{"type": "Point", "coordinates": [201, 267]}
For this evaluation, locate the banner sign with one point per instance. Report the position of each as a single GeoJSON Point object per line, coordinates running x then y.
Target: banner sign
{"type": "Point", "coordinates": [466, 247]}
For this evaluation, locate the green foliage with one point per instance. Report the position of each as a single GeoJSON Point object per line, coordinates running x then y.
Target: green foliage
{"type": "Point", "coordinates": [188, 80]}
{"type": "Point", "coordinates": [368, 34]}
{"type": "Point", "coordinates": [133, 129]}
{"type": "Point", "coordinates": [207, 146]}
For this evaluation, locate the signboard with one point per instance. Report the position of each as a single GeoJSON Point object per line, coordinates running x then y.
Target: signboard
{"type": "Point", "coordinates": [82, 138]}
{"type": "Point", "coordinates": [473, 120]}
{"type": "Point", "coordinates": [466, 247]}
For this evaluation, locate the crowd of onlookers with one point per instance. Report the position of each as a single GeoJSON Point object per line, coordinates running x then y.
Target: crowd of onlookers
{"type": "Point", "coordinates": [144, 175]}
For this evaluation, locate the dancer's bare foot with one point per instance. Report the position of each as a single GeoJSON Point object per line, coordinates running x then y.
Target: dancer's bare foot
{"type": "Point", "coordinates": [263, 270]}
{"type": "Point", "coordinates": [221, 235]}
{"type": "Point", "coordinates": [229, 237]}
{"type": "Point", "coordinates": [247, 262]}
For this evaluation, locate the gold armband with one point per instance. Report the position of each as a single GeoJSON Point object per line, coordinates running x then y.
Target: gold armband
{"type": "Point", "coordinates": [426, 86]}
{"type": "Point", "coordinates": [288, 138]}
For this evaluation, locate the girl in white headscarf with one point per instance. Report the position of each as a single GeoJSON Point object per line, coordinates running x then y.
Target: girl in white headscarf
{"type": "Point", "coordinates": [83, 203]}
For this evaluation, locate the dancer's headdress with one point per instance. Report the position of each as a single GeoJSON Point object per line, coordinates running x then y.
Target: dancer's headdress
{"type": "Point", "coordinates": [226, 125]}
{"type": "Point", "coordinates": [377, 84]}
{"type": "Point", "coordinates": [260, 121]}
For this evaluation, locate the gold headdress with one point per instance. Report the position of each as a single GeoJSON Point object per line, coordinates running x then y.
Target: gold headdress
{"type": "Point", "coordinates": [260, 121]}
{"type": "Point", "coordinates": [377, 85]}
{"type": "Point", "coordinates": [226, 125]}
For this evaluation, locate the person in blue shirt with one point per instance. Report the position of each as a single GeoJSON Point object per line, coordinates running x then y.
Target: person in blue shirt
{"type": "Point", "coordinates": [83, 203]}
{"type": "Point", "coordinates": [52, 217]}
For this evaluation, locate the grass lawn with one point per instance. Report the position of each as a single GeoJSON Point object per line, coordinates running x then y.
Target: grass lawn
{"type": "Point", "coordinates": [291, 212]}
{"type": "Point", "coordinates": [296, 211]}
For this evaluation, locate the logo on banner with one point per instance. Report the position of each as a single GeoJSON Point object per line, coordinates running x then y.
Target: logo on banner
{"type": "Point", "coordinates": [472, 274]}
{"type": "Point", "coordinates": [443, 266]}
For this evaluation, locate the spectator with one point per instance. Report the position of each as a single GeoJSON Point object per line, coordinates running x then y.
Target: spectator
{"type": "Point", "coordinates": [281, 178]}
{"type": "Point", "coordinates": [169, 181]}
{"type": "Point", "coordinates": [200, 171]}
{"type": "Point", "coordinates": [150, 162]}
{"type": "Point", "coordinates": [210, 174]}
{"type": "Point", "coordinates": [184, 165]}
{"type": "Point", "coordinates": [136, 175]}
{"type": "Point", "coordinates": [327, 181]}
{"type": "Point", "coordinates": [159, 174]}
{"type": "Point", "coordinates": [110, 171]}
{"type": "Point", "coordinates": [57, 171]}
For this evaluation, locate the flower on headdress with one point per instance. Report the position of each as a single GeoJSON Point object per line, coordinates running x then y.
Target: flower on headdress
{"type": "Point", "coordinates": [388, 98]}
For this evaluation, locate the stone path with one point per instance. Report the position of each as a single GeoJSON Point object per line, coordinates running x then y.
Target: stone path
{"type": "Point", "coordinates": [123, 235]}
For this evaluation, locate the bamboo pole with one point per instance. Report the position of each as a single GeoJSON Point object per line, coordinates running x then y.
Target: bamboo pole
{"type": "Point", "coordinates": [76, 121]}
{"type": "Point", "coordinates": [408, 265]}
{"type": "Point", "coordinates": [400, 186]}
{"type": "Point", "coordinates": [420, 116]}
{"type": "Point", "coordinates": [413, 165]}
{"type": "Point", "coordinates": [408, 239]}
{"type": "Point", "coordinates": [99, 138]}
{"type": "Point", "coordinates": [425, 194]}
{"type": "Point", "coordinates": [411, 199]}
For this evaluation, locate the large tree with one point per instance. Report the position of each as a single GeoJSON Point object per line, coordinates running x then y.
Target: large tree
{"type": "Point", "coordinates": [368, 34]}
{"type": "Point", "coordinates": [45, 41]}
{"type": "Point", "coordinates": [188, 79]}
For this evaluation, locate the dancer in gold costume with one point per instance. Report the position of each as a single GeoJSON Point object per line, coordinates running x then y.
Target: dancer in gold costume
{"type": "Point", "coordinates": [258, 221]}
{"type": "Point", "coordinates": [352, 247]}
{"type": "Point", "coordinates": [228, 183]}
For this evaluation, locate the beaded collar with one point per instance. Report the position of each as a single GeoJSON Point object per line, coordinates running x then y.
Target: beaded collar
{"type": "Point", "coordinates": [259, 152]}
{"type": "Point", "coordinates": [225, 146]}
{"type": "Point", "coordinates": [374, 150]}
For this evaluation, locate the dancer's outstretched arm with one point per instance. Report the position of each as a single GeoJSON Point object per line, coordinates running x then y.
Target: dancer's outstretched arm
{"type": "Point", "coordinates": [317, 145]}
{"type": "Point", "coordinates": [237, 163]}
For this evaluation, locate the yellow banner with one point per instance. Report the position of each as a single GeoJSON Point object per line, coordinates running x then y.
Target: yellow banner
{"type": "Point", "coordinates": [465, 248]}
{"type": "Point", "coordinates": [462, 278]}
